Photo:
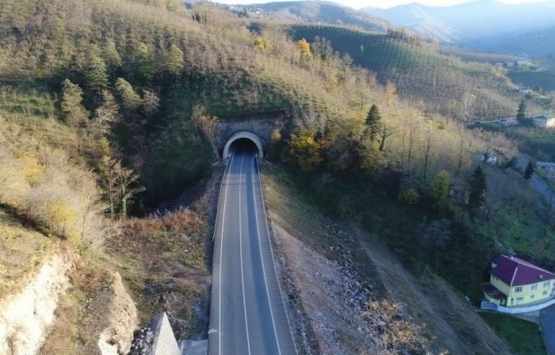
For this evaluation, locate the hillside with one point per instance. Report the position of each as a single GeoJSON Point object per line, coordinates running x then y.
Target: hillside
{"type": "Point", "coordinates": [538, 44]}
{"type": "Point", "coordinates": [474, 23]}
{"type": "Point", "coordinates": [107, 111]}
{"type": "Point", "coordinates": [438, 83]}
{"type": "Point", "coordinates": [319, 11]}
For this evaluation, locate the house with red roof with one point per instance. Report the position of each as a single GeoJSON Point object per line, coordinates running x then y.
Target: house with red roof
{"type": "Point", "coordinates": [517, 283]}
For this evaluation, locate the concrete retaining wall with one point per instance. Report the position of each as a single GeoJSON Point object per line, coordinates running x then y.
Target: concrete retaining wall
{"type": "Point", "coordinates": [489, 306]}
{"type": "Point", "coordinates": [262, 125]}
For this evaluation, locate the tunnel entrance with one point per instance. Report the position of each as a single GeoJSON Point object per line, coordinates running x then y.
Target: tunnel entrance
{"type": "Point", "coordinates": [243, 141]}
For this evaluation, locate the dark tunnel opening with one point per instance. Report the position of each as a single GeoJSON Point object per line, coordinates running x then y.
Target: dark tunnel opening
{"type": "Point", "coordinates": [243, 145]}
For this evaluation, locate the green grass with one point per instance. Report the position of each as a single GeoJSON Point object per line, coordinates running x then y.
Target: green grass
{"type": "Point", "coordinates": [537, 142]}
{"type": "Point", "coordinates": [474, 56]}
{"type": "Point", "coordinates": [524, 337]}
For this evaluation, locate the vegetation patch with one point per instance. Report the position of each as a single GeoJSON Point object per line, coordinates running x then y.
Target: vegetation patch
{"type": "Point", "coordinates": [523, 336]}
{"type": "Point", "coordinates": [22, 250]}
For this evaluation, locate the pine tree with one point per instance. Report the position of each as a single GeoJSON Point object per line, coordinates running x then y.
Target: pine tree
{"type": "Point", "coordinates": [139, 63]}
{"type": "Point", "coordinates": [174, 61]}
{"type": "Point", "coordinates": [74, 113]}
{"type": "Point", "coordinates": [529, 171]}
{"type": "Point", "coordinates": [521, 111]}
{"type": "Point", "coordinates": [111, 57]}
{"type": "Point", "coordinates": [95, 73]}
{"type": "Point", "coordinates": [129, 98]}
{"type": "Point", "coordinates": [440, 186]}
{"type": "Point", "coordinates": [373, 123]}
{"type": "Point", "coordinates": [477, 196]}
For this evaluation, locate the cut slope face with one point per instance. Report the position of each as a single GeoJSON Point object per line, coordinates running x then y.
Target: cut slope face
{"type": "Point", "coordinates": [26, 316]}
{"type": "Point", "coordinates": [328, 260]}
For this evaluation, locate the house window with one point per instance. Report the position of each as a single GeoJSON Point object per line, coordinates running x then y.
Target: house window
{"type": "Point", "coordinates": [534, 287]}
{"type": "Point", "coordinates": [532, 296]}
{"type": "Point", "coordinates": [546, 284]}
{"type": "Point", "coordinates": [519, 299]}
{"type": "Point", "coordinates": [518, 289]}
{"type": "Point", "coordinates": [544, 293]}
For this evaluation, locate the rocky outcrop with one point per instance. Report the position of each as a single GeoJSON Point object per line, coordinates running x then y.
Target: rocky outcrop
{"type": "Point", "coordinates": [116, 338]}
{"type": "Point", "coordinates": [26, 315]}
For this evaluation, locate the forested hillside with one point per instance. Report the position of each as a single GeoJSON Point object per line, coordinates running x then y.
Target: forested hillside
{"type": "Point", "coordinates": [106, 108]}
{"type": "Point", "coordinates": [432, 81]}
{"type": "Point", "coordinates": [319, 11]}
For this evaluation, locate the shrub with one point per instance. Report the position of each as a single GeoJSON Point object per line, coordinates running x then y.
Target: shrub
{"type": "Point", "coordinates": [409, 196]}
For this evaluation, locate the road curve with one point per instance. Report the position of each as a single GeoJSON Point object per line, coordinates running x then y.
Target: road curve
{"type": "Point", "coordinates": [247, 312]}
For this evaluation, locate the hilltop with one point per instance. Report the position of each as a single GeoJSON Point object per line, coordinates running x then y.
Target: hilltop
{"type": "Point", "coordinates": [319, 11]}
{"type": "Point", "coordinates": [474, 23]}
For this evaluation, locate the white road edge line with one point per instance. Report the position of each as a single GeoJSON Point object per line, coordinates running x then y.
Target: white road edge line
{"type": "Point", "coordinates": [221, 253]}
{"type": "Point", "coordinates": [241, 256]}
{"type": "Point", "coordinates": [273, 259]}
{"type": "Point", "coordinates": [263, 267]}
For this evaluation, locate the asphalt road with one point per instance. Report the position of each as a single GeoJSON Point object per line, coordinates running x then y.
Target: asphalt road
{"type": "Point", "coordinates": [539, 184]}
{"type": "Point", "coordinates": [247, 313]}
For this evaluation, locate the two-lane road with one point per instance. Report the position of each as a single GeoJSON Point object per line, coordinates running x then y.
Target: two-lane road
{"type": "Point", "coordinates": [247, 313]}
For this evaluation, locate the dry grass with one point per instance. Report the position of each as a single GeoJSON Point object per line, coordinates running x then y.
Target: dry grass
{"type": "Point", "coordinates": [42, 183]}
{"type": "Point", "coordinates": [21, 251]}
{"type": "Point", "coordinates": [163, 262]}
{"type": "Point", "coordinates": [83, 312]}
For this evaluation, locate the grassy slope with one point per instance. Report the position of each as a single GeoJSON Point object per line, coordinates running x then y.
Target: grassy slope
{"type": "Point", "coordinates": [475, 56]}
{"type": "Point", "coordinates": [21, 250]}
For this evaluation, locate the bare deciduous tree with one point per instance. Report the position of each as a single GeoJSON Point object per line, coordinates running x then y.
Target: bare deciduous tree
{"type": "Point", "coordinates": [207, 124]}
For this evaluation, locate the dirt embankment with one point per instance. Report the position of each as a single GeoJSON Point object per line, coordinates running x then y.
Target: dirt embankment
{"type": "Point", "coordinates": [26, 316]}
{"type": "Point", "coordinates": [341, 283]}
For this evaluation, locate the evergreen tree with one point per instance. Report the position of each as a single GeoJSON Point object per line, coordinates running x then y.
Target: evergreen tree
{"type": "Point", "coordinates": [529, 171]}
{"type": "Point", "coordinates": [439, 186]}
{"type": "Point", "coordinates": [111, 57]}
{"type": "Point", "coordinates": [174, 61]}
{"type": "Point", "coordinates": [95, 73]}
{"type": "Point", "coordinates": [477, 196]}
{"type": "Point", "coordinates": [373, 123]}
{"type": "Point", "coordinates": [74, 113]}
{"type": "Point", "coordinates": [139, 63]}
{"type": "Point", "coordinates": [129, 98]}
{"type": "Point", "coordinates": [521, 111]}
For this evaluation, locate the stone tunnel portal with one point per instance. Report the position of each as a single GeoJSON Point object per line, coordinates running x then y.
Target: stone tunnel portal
{"type": "Point", "coordinates": [243, 140]}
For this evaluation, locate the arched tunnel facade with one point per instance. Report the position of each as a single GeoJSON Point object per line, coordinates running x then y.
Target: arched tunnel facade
{"type": "Point", "coordinates": [243, 138]}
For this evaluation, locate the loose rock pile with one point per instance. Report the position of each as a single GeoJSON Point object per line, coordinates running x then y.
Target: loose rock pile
{"type": "Point", "coordinates": [142, 341]}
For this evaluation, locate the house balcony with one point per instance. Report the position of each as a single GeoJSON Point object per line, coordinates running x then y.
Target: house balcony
{"type": "Point", "coordinates": [493, 294]}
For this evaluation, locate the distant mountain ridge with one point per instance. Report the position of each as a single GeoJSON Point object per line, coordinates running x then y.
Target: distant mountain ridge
{"type": "Point", "coordinates": [473, 22]}
{"type": "Point", "coordinates": [322, 11]}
